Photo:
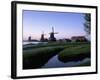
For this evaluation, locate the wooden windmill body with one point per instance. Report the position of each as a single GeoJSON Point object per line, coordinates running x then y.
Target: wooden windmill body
{"type": "Point", "coordinates": [42, 37]}
{"type": "Point", "coordinates": [52, 37]}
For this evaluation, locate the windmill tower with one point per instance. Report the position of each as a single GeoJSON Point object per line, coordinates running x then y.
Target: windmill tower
{"type": "Point", "coordinates": [42, 37]}
{"type": "Point", "coordinates": [52, 37]}
{"type": "Point", "coordinates": [29, 38]}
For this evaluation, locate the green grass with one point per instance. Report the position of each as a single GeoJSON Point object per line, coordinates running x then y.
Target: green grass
{"type": "Point", "coordinates": [36, 58]}
{"type": "Point", "coordinates": [74, 53]}
{"type": "Point", "coordinates": [26, 47]}
{"type": "Point", "coordinates": [87, 63]}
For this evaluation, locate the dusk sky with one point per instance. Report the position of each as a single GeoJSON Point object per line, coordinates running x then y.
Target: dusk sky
{"type": "Point", "coordinates": [66, 24]}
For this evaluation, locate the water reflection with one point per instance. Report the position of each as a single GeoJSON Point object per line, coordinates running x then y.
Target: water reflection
{"type": "Point", "coordinates": [55, 62]}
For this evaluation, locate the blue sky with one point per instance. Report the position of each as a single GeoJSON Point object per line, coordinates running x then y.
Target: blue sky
{"type": "Point", "coordinates": [65, 23]}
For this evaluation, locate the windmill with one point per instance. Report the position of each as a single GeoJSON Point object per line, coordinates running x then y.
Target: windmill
{"type": "Point", "coordinates": [52, 37]}
{"type": "Point", "coordinates": [29, 38]}
{"type": "Point", "coordinates": [42, 37]}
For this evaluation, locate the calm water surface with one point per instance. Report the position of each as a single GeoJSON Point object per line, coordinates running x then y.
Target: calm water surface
{"type": "Point", "coordinates": [32, 42]}
{"type": "Point", "coordinates": [55, 62]}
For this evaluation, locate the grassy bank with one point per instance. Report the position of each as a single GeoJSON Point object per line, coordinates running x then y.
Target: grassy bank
{"type": "Point", "coordinates": [50, 44]}
{"type": "Point", "coordinates": [87, 63]}
{"type": "Point", "coordinates": [36, 58]}
{"type": "Point", "coordinates": [74, 53]}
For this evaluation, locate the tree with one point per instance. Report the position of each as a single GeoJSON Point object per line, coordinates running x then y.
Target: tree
{"type": "Point", "coordinates": [87, 23]}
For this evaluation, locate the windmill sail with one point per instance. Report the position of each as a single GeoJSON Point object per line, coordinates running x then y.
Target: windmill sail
{"type": "Point", "coordinates": [52, 29]}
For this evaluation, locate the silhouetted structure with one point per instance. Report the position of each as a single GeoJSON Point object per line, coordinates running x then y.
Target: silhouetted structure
{"type": "Point", "coordinates": [68, 40]}
{"type": "Point", "coordinates": [29, 38]}
{"type": "Point", "coordinates": [42, 37]}
{"type": "Point", "coordinates": [79, 39]}
{"type": "Point", "coordinates": [64, 40]}
{"type": "Point", "coordinates": [52, 37]}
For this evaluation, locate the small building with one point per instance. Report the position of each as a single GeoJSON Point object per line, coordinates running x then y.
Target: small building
{"type": "Point", "coordinates": [78, 39]}
{"type": "Point", "coordinates": [68, 40]}
{"type": "Point", "coordinates": [64, 40]}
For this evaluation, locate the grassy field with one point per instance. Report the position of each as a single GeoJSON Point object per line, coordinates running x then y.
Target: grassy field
{"type": "Point", "coordinates": [35, 56]}
{"type": "Point", "coordinates": [30, 46]}
{"type": "Point", "coordinates": [74, 53]}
